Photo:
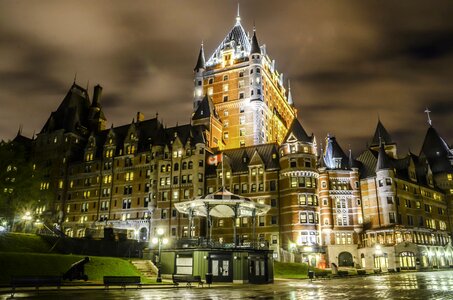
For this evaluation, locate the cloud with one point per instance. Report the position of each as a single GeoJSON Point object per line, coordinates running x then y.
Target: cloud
{"type": "Point", "coordinates": [348, 61]}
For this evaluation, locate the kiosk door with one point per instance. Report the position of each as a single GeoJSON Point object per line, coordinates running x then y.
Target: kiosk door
{"type": "Point", "coordinates": [221, 268]}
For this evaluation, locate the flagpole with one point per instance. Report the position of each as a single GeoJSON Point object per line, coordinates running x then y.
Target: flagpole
{"type": "Point", "coordinates": [223, 174]}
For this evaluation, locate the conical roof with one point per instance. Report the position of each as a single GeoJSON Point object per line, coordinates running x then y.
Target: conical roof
{"type": "Point", "coordinates": [201, 61]}
{"type": "Point", "coordinates": [383, 161]}
{"type": "Point", "coordinates": [333, 154]}
{"type": "Point", "coordinates": [255, 46]}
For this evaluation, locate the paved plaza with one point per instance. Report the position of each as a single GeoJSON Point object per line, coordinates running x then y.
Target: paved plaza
{"type": "Point", "coordinates": [421, 285]}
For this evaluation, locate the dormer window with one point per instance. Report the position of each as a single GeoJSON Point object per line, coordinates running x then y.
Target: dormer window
{"type": "Point", "coordinates": [337, 162]}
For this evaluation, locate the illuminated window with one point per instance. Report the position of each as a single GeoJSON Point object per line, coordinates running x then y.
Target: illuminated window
{"type": "Point", "coordinates": [225, 135]}
{"type": "Point", "coordinates": [449, 177]}
{"type": "Point", "coordinates": [225, 113]}
{"type": "Point", "coordinates": [129, 176]}
{"type": "Point", "coordinates": [242, 132]}
{"type": "Point", "coordinates": [242, 120]}
{"type": "Point", "coordinates": [210, 91]}
{"type": "Point", "coordinates": [225, 87]}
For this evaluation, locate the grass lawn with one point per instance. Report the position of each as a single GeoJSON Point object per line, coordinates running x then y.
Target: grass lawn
{"type": "Point", "coordinates": [290, 270]}
{"type": "Point", "coordinates": [22, 242]}
{"type": "Point", "coordinates": [23, 264]}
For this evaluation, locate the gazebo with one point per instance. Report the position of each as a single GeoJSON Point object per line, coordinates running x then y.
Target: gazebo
{"type": "Point", "coordinates": [222, 204]}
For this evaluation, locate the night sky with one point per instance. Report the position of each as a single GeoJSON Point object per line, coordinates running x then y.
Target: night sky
{"type": "Point", "coordinates": [348, 61]}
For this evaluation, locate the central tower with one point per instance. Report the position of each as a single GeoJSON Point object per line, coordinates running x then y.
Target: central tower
{"type": "Point", "coordinates": [245, 89]}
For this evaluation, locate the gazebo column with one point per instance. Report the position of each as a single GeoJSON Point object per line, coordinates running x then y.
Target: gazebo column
{"type": "Point", "coordinates": [235, 210]}
{"type": "Point", "coordinates": [254, 227]}
{"type": "Point", "coordinates": [190, 222]}
{"type": "Point", "coordinates": [207, 223]}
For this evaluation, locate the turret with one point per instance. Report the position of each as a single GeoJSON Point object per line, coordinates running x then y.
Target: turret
{"type": "Point", "coordinates": [198, 79]}
{"type": "Point", "coordinates": [255, 70]}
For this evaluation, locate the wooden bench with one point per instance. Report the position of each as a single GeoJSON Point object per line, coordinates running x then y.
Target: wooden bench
{"type": "Point", "coordinates": [122, 281]}
{"type": "Point", "coordinates": [188, 279]}
{"type": "Point", "coordinates": [34, 281]}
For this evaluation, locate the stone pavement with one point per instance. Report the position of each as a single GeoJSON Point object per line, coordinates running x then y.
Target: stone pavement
{"type": "Point", "coordinates": [412, 285]}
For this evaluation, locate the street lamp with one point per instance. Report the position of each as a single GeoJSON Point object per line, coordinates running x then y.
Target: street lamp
{"type": "Point", "coordinates": [159, 240]}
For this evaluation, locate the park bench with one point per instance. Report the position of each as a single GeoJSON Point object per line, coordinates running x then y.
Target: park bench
{"type": "Point", "coordinates": [34, 281]}
{"type": "Point", "coordinates": [122, 281]}
{"type": "Point", "coordinates": [321, 275]}
{"type": "Point", "coordinates": [188, 279]}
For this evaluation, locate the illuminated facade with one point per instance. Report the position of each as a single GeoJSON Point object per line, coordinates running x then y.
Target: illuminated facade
{"type": "Point", "coordinates": [246, 90]}
{"type": "Point", "coordinates": [327, 207]}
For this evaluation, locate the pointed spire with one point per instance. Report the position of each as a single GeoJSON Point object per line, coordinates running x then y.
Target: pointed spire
{"type": "Point", "coordinates": [430, 122]}
{"type": "Point", "coordinates": [75, 79]}
{"type": "Point", "coordinates": [19, 132]}
{"type": "Point", "coordinates": [383, 161]}
{"type": "Point", "coordinates": [351, 160]}
{"type": "Point", "coordinates": [238, 17]}
{"type": "Point", "coordinates": [201, 60]}
{"type": "Point", "coordinates": [290, 97]}
{"type": "Point", "coordinates": [255, 46]}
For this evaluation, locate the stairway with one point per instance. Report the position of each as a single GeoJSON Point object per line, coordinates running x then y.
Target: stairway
{"type": "Point", "coordinates": [146, 267]}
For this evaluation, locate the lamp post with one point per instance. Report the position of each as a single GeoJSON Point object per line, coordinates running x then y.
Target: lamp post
{"type": "Point", "coordinates": [159, 240]}
{"type": "Point", "coordinates": [26, 218]}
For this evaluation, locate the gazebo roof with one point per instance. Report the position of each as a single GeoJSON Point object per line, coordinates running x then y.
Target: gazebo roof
{"type": "Point", "coordinates": [222, 204]}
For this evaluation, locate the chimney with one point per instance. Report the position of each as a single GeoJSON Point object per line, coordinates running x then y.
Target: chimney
{"type": "Point", "coordinates": [140, 117]}
{"type": "Point", "coordinates": [97, 95]}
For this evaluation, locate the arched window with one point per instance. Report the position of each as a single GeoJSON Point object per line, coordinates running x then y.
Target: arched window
{"type": "Point", "coordinates": [176, 167]}
{"type": "Point", "coordinates": [190, 165]}
{"type": "Point", "coordinates": [168, 168]}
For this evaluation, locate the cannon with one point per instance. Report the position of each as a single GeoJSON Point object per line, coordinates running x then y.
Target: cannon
{"type": "Point", "coordinates": [77, 270]}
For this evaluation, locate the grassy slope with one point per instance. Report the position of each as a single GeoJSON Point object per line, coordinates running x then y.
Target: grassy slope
{"type": "Point", "coordinates": [21, 242]}
{"type": "Point", "coordinates": [23, 264]}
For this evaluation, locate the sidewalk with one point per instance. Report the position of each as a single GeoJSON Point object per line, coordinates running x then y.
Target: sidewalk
{"type": "Point", "coordinates": [74, 286]}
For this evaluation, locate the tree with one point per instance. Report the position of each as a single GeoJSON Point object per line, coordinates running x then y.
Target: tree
{"type": "Point", "coordinates": [20, 181]}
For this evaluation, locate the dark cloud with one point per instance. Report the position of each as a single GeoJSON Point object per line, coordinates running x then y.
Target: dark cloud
{"type": "Point", "coordinates": [348, 61]}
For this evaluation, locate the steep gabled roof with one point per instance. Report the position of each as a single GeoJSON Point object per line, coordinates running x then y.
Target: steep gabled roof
{"type": "Point", "coordinates": [236, 39]}
{"type": "Point", "coordinates": [72, 114]}
{"type": "Point", "coordinates": [266, 152]}
{"type": "Point", "coordinates": [297, 132]}
{"type": "Point", "coordinates": [381, 135]}
{"type": "Point", "coordinates": [437, 152]}
{"type": "Point", "coordinates": [205, 109]}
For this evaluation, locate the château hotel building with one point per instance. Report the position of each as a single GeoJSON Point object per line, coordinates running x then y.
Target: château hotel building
{"type": "Point", "coordinates": [377, 210]}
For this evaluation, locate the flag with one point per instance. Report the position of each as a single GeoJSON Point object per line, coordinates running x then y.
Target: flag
{"type": "Point", "coordinates": [215, 159]}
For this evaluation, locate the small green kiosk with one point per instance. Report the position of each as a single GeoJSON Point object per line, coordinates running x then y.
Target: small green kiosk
{"type": "Point", "coordinates": [252, 263]}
